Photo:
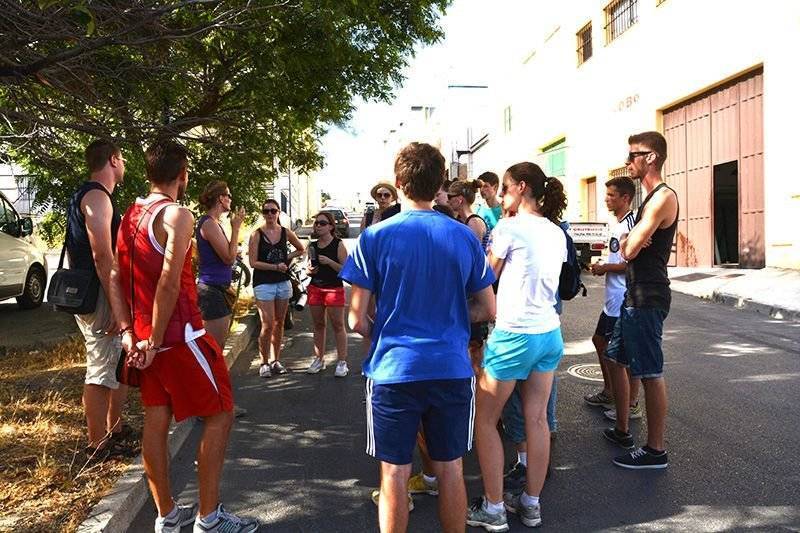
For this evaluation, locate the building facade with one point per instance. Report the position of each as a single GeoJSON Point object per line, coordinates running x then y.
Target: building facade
{"type": "Point", "coordinates": [716, 77]}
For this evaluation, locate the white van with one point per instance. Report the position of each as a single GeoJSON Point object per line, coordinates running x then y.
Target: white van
{"type": "Point", "coordinates": [23, 267]}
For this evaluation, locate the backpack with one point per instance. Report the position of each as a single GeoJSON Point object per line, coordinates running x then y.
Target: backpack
{"type": "Point", "coordinates": [569, 281]}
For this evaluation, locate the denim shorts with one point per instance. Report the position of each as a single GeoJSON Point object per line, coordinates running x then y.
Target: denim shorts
{"type": "Point", "coordinates": [636, 341]}
{"type": "Point", "coordinates": [267, 292]}
{"type": "Point", "coordinates": [211, 299]}
{"type": "Point", "coordinates": [515, 355]}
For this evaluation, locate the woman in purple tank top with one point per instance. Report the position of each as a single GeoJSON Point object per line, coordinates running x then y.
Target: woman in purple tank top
{"type": "Point", "coordinates": [217, 254]}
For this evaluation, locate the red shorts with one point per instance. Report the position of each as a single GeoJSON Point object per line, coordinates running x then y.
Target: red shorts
{"type": "Point", "coordinates": [331, 297]}
{"type": "Point", "coordinates": [191, 378]}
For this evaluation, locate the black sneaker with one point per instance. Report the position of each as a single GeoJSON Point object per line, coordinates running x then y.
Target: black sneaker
{"type": "Point", "coordinates": [620, 438]}
{"type": "Point", "coordinates": [515, 479]}
{"type": "Point", "coordinates": [641, 458]}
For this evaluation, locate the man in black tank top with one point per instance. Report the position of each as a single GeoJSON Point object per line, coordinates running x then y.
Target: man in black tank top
{"type": "Point", "coordinates": [636, 341]}
{"type": "Point", "coordinates": [93, 221]}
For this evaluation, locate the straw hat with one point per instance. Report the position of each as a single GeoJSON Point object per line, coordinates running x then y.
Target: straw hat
{"type": "Point", "coordinates": [383, 185]}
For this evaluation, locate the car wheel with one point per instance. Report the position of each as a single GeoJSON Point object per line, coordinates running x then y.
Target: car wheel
{"type": "Point", "coordinates": [34, 289]}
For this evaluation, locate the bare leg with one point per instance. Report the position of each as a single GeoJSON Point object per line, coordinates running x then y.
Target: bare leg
{"type": "Point", "coordinates": [492, 396]}
{"type": "Point", "coordinates": [393, 503]}
{"type": "Point", "coordinates": [452, 496]}
{"type": "Point", "coordinates": [218, 328]}
{"type": "Point", "coordinates": [535, 394]}
{"type": "Point", "coordinates": [277, 331]}
{"type": "Point", "coordinates": [115, 406]}
{"type": "Point", "coordinates": [320, 325]}
{"type": "Point", "coordinates": [266, 310]}
{"type": "Point", "coordinates": [634, 389]}
{"type": "Point", "coordinates": [422, 446]}
{"type": "Point", "coordinates": [619, 378]}
{"type": "Point", "coordinates": [655, 396]}
{"type": "Point", "coordinates": [600, 344]}
{"type": "Point", "coordinates": [336, 314]}
{"type": "Point", "coordinates": [95, 407]}
{"type": "Point", "coordinates": [155, 455]}
{"type": "Point", "coordinates": [210, 458]}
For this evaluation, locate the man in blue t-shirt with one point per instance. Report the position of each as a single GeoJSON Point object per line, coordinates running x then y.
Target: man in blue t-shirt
{"type": "Point", "coordinates": [421, 266]}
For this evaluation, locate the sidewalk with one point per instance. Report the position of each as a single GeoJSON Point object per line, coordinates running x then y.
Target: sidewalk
{"type": "Point", "coordinates": [773, 292]}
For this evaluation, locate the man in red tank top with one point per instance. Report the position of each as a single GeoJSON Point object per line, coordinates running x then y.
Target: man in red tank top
{"type": "Point", "coordinates": [182, 370]}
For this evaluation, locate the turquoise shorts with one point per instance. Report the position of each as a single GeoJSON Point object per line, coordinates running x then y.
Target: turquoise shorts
{"type": "Point", "coordinates": [511, 356]}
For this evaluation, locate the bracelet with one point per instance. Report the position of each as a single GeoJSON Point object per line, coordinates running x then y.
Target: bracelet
{"type": "Point", "coordinates": [125, 330]}
{"type": "Point", "coordinates": [151, 346]}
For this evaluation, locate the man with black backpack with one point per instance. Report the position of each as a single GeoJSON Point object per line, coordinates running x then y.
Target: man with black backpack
{"type": "Point", "coordinates": [92, 223]}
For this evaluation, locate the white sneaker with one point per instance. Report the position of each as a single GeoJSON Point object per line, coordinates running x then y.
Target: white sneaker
{"type": "Point", "coordinates": [264, 371]}
{"type": "Point", "coordinates": [278, 368]}
{"type": "Point", "coordinates": [341, 369]}
{"type": "Point", "coordinates": [225, 523]}
{"type": "Point", "coordinates": [316, 365]}
{"type": "Point", "coordinates": [183, 517]}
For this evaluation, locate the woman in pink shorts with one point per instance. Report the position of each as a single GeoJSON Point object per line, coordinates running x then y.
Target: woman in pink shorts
{"type": "Point", "coordinates": [326, 292]}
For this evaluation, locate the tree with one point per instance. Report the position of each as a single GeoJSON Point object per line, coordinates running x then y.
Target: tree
{"type": "Point", "coordinates": [244, 84]}
{"type": "Point", "coordinates": [325, 198]}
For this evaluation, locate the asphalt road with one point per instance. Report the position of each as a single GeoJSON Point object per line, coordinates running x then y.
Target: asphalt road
{"type": "Point", "coordinates": [297, 461]}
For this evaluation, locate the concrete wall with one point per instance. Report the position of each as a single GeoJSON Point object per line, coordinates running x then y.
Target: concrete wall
{"type": "Point", "coordinates": [676, 50]}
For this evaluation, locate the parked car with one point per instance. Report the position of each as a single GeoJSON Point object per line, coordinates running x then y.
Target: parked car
{"type": "Point", "coordinates": [23, 267]}
{"type": "Point", "coordinates": [342, 222]}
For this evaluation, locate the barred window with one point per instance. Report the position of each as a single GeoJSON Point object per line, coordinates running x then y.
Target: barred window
{"type": "Point", "coordinates": [584, 44]}
{"type": "Point", "coordinates": [620, 15]}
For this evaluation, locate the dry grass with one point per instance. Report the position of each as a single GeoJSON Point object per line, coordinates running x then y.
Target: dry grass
{"type": "Point", "coordinates": [45, 484]}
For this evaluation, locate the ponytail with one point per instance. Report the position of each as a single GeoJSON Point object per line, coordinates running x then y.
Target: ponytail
{"type": "Point", "coordinates": [554, 200]}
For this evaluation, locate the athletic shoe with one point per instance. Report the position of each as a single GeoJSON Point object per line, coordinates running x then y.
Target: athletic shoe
{"type": "Point", "coordinates": [376, 494]}
{"type": "Point", "coordinates": [183, 517]}
{"type": "Point", "coordinates": [515, 480]}
{"type": "Point", "coordinates": [316, 365]}
{"type": "Point", "coordinates": [264, 371]}
{"type": "Point", "coordinates": [278, 368]}
{"type": "Point", "coordinates": [225, 522]}
{"type": "Point", "coordinates": [635, 413]}
{"type": "Point", "coordinates": [418, 485]}
{"type": "Point", "coordinates": [341, 369]}
{"type": "Point", "coordinates": [478, 516]}
{"type": "Point", "coordinates": [620, 438]}
{"type": "Point", "coordinates": [599, 399]}
{"type": "Point", "coordinates": [531, 515]}
{"type": "Point", "coordinates": [640, 459]}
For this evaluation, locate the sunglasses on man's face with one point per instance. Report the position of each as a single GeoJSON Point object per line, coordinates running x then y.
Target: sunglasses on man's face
{"type": "Point", "coordinates": [634, 155]}
{"type": "Point", "coordinates": [384, 195]}
{"type": "Point", "coordinates": [321, 223]}
{"type": "Point", "coordinates": [272, 211]}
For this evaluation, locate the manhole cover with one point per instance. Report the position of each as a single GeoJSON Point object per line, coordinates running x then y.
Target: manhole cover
{"type": "Point", "coordinates": [589, 372]}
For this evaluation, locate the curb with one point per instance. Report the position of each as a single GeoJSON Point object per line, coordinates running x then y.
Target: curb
{"type": "Point", "coordinates": [116, 511]}
{"type": "Point", "coordinates": [778, 313]}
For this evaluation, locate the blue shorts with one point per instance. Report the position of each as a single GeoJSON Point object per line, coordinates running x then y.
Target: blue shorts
{"type": "Point", "coordinates": [267, 292]}
{"type": "Point", "coordinates": [515, 355]}
{"type": "Point", "coordinates": [636, 341]}
{"type": "Point", "coordinates": [446, 409]}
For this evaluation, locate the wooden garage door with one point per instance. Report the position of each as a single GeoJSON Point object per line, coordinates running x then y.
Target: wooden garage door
{"type": "Point", "coordinates": [751, 172]}
{"type": "Point", "coordinates": [675, 175]}
{"type": "Point", "coordinates": [723, 125]}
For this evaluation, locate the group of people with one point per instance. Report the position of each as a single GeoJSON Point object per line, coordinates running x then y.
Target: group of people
{"type": "Point", "coordinates": [428, 282]}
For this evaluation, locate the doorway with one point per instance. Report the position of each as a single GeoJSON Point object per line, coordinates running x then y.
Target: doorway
{"type": "Point", "coordinates": [726, 214]}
